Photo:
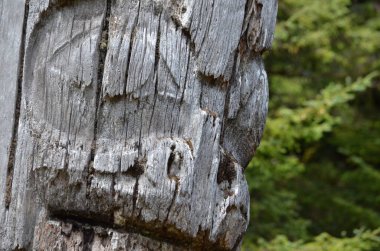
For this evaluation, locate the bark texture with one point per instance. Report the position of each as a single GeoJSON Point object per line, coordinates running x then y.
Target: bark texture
{"type": "Point", "coordinates": [127, 124]}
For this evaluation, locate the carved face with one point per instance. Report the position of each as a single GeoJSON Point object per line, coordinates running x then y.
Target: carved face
{"type": "Point", "coordinates": [142, 114]}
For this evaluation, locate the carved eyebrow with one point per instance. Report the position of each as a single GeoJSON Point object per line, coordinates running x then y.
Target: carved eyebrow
{"type": "Point", "coordinates": [62, 46]}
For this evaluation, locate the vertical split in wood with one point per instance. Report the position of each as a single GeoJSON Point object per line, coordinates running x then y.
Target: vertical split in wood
{"type": "Point", "coordinates": [103, 48]}
{"type": "Point", "coordinates": [132, 40]}
{"type": "Point", "coordinates": [12, 152]}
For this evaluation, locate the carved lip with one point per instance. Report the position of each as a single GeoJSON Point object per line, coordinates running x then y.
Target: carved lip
{"type": "Point", "coordinates": [70, 221]}
{"type": "Point", "coordinates": [93, 233]}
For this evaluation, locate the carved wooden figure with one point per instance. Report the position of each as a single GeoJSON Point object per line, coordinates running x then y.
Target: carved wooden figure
{"type": "Point", "coordinates": [127, 124]}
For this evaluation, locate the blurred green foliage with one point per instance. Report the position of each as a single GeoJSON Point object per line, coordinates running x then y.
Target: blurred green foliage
{"type": "Point", "coordinates": [315, 178]}
{"type": "Point", "coordinates": [363, 240]}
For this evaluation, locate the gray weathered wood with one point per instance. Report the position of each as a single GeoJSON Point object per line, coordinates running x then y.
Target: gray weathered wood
{"type": "Point", "coordinates": [136, 121]}
{"type": "Point", "coordinates": [11, 26]}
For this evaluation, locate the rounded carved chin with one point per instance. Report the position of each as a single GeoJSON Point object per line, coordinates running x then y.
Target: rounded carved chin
{"type": "Point", "coordinates": [154, 188]}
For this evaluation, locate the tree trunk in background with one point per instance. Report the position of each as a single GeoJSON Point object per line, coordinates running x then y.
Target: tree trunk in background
{"type": "Point", "coordinates": [126, 125]}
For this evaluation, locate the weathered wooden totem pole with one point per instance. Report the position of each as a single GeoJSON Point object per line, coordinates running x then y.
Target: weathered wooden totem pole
{"type": "Point", "coordinates": [127, 124]}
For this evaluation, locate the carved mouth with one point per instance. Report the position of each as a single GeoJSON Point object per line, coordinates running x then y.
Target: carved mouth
{"type": "Point", "coordinates": [85, 235]}
{"type": "Point", "coordinates": [90, 229]}
{"type": "Point", "coordinates": [130, 192]}
{"type": "Point", "coordinates": [150, 191]}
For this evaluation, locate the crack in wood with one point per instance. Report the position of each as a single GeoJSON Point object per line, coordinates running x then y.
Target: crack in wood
{"type": "Point", "coordinates": [137, 169]}
{"type": "Point", "coordinates": [249, 45]}
{"type": "Point", "coordinates": [212, 80]}
{"type": "Point", "coordinates": [228, 97]}
{"type": "Point", "coordinates": [135, 196]}
{"type": "Point", "coordinates": [174, 162]}
{"type": "Point", "coordinates": [103, 47]}
{"type": "Point", "coordinates": [131, 43]}
{"type": "Point", "coordinates": [226, 170]}
{"type": "Point", "coordinates": [13, 146]}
